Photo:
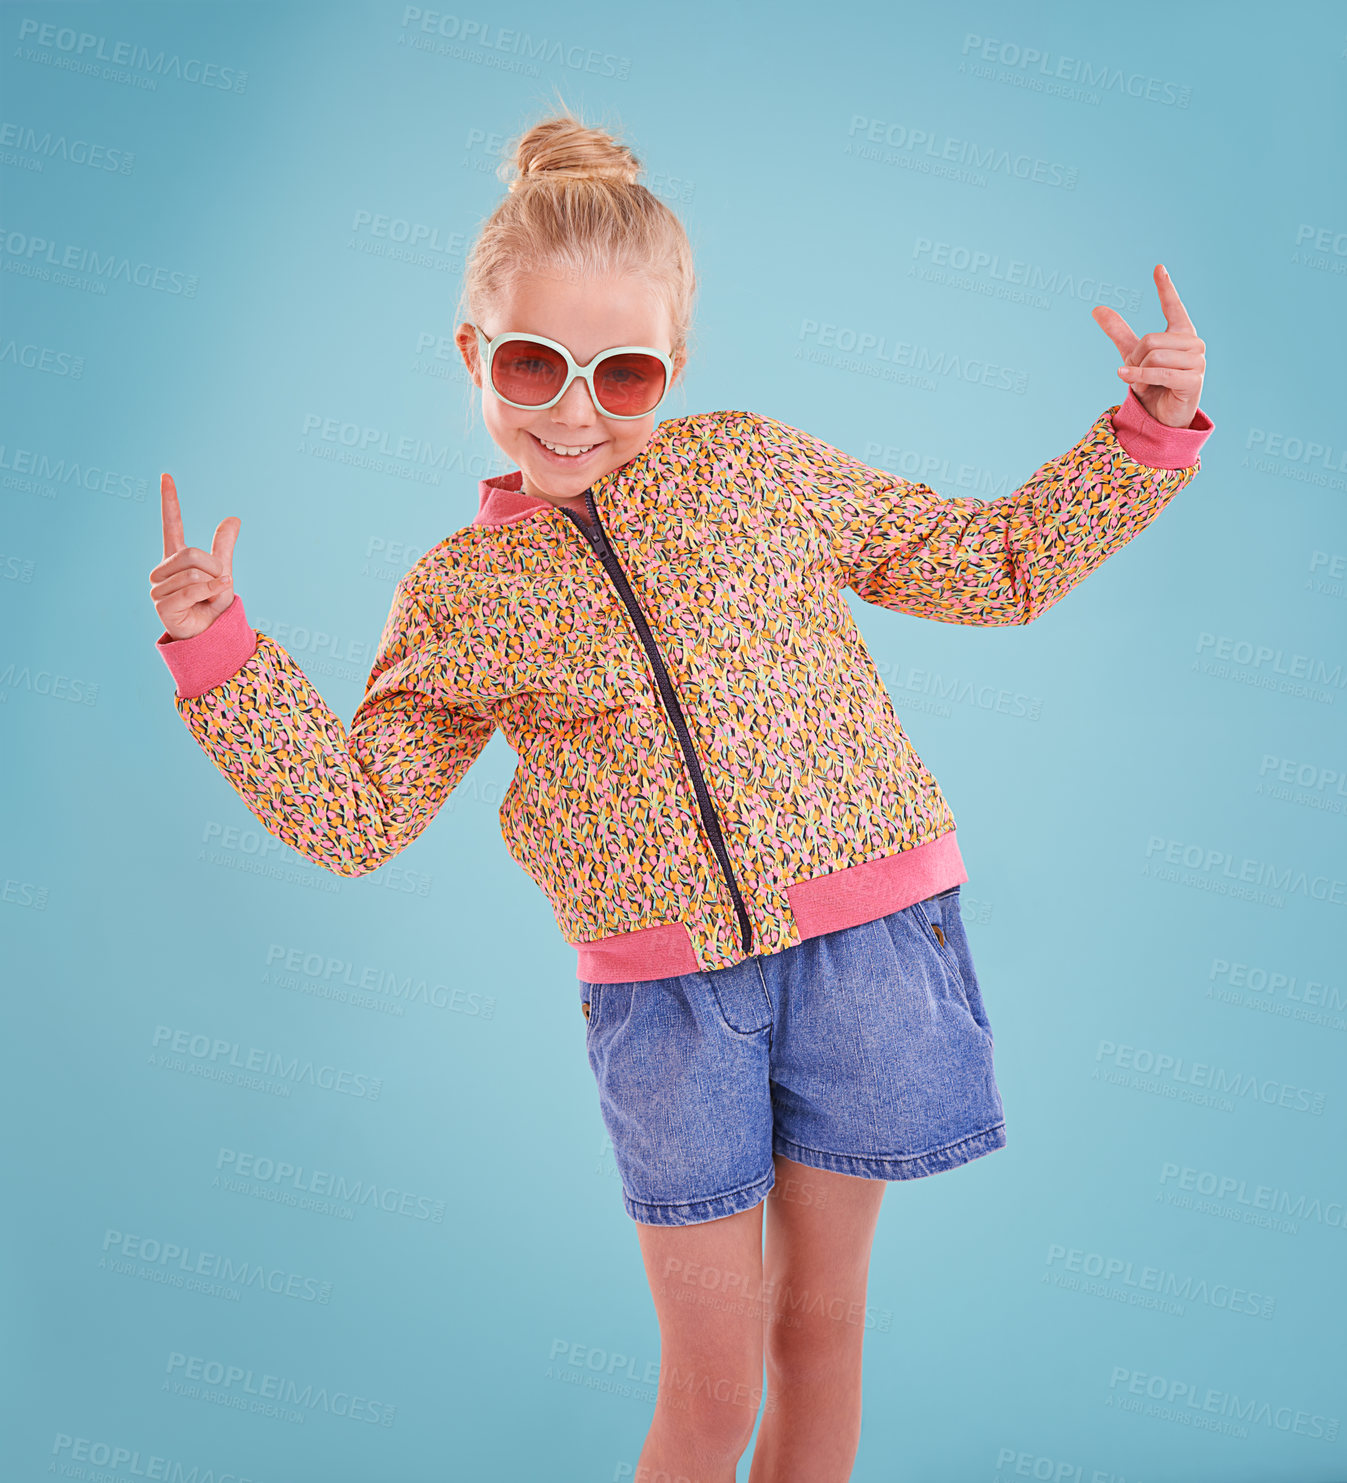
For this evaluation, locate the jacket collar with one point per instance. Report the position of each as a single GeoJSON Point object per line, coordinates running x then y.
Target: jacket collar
{"type": "Point", "coordinates": [502, 501]}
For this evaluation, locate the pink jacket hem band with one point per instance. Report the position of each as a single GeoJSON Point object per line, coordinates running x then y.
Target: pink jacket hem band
{"type": "Point", "coordinates": [828, 903]}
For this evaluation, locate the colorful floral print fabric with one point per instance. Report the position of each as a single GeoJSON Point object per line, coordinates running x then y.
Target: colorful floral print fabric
{"type": "Point", "coordinates": [739, 536]}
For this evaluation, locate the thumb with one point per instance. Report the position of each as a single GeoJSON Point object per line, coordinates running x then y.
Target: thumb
{"type": "Point", "coordinates": [222, 542]}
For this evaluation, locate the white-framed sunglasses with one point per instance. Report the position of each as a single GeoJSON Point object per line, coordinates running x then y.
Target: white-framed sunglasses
{"type": "Point", "coordinates": [533, 373]}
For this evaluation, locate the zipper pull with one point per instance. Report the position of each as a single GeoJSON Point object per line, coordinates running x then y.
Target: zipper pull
{"type": "Point", "coordinates": [583, 527]}
{"type": "Point", "coordinates": [596, 536]}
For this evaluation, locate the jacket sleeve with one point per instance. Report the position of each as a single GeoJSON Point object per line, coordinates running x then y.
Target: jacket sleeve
{"type": "Point", "coordinates": [962, 560]}
{"type": "Point", "coordinates": [347, 799]}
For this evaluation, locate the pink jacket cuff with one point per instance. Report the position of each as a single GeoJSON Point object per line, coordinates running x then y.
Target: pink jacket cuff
{"type": "Point", "coordinates": [210, 657]}
{"type": "Point", "coordinates": [1147, 440]}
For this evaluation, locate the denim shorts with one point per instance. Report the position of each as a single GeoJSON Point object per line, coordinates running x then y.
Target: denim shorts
{"type": "Point", "coordinates": [866, 1051]}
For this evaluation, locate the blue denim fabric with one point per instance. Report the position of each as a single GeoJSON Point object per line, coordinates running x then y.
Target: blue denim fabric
{"type": "Point", "coordinates": [866, 1051]}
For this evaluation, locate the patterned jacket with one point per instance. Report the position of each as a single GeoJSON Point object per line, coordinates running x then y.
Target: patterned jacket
{"type": "Point", "coordinates": [709, 764]}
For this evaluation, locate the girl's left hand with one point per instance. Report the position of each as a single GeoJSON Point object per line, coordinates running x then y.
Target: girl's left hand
{"type": "Point", "coordinates": [1165, 367]}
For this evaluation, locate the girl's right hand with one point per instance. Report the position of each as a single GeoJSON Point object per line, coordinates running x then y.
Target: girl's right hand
{"type": "Point", "coordinates": [190, 588]}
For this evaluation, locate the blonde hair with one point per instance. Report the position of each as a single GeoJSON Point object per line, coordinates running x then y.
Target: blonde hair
{"type": "Point", "coordinates": [574, 206]}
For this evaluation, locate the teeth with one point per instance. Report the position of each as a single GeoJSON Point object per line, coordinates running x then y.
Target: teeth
{"type": "Point", "coordinates": [566, 452]}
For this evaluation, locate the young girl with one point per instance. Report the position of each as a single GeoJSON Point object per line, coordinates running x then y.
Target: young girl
{"type": "Point", "coordinates": [759, 874]}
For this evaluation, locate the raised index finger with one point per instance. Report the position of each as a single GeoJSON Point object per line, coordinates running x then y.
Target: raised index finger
{"type": "Point", "coordinates": [168, 504]}
{"type": "Point", "coordinates": [1176, 316]}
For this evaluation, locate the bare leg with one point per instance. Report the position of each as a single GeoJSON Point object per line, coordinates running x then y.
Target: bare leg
{"type": "Point", "coordinates": [819, 1228]}
{"type": "Point", "coordinates": [706, 1281]}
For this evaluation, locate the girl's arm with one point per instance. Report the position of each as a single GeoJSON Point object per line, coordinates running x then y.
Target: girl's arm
{"type": "Point", "coordinates": [962, 560]}
{"type": "Point", "coordinates": [346, 798]}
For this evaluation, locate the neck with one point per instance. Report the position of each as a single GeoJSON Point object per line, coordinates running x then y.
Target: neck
{"type": "Point", "coordinates": [574, 502]}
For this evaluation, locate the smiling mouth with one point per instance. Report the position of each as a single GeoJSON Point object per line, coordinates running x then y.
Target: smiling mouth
{"type": "Point", "coordinates": [572, 452]}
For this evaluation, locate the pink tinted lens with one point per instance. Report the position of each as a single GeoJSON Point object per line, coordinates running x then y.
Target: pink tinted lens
{"type": "Point", "coordinates": [629, 385]}
{"type": "Point", "coordinates": [524, 371]}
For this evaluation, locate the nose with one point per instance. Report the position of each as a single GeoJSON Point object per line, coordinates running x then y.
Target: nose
{"type": "Point", "coordinates": [576, 407]}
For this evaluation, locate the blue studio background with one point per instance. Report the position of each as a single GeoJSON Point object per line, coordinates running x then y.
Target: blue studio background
{"type": "Point", "coordinates": [232, 241]}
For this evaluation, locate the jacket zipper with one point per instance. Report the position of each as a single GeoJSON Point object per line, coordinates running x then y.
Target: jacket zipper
{"type": "Point", "coordinates": [598, 540]}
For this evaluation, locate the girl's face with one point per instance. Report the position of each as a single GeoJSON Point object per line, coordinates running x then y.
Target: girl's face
{"type": "Point", "coordinates": [586, 315]}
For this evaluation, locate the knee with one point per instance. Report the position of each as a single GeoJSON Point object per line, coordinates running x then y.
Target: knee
{"type": "Point", "coordinates": [719, 1411]}
{"type": "Point", "coordinates": [802, 1350]}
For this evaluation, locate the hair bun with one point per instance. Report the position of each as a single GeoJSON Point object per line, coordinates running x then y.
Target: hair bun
{"type": "Point", "coordinates": [582, 214]}
{"type": "Point", "coordinates": [565, 149]}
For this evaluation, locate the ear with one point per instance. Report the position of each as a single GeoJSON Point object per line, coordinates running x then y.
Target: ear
{"type": "Point", "coordinates": [465, 337]}
{"type": "Point", "coordinates": [680, 359]}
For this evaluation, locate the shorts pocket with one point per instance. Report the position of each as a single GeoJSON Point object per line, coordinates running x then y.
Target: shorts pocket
{"type": "Point", "coordinates": [944, 923]}
{"type": "Point", "coordinates": [935, 913]}
{"type": "Point", "coordinates": [591, 1006]}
